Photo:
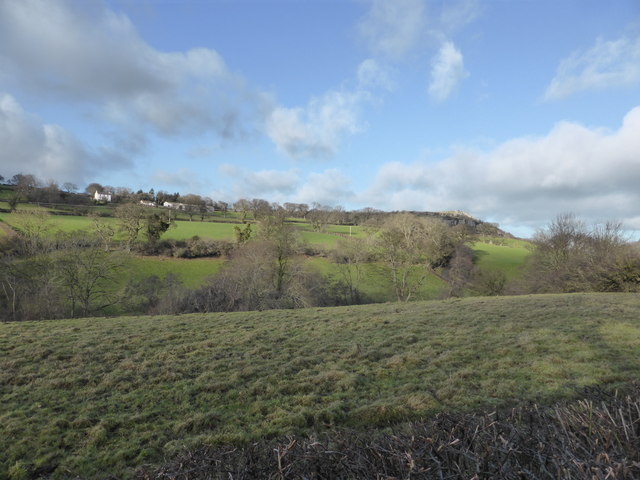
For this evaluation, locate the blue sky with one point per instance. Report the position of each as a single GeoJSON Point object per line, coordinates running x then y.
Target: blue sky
{"type": "Point", "coordinates": [513, 111]}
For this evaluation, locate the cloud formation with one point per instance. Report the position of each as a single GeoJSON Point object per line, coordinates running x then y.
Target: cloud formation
{"type": "Point", "coordinates": [392, 29]}
{"type": "Point", "coordinates": [447, 71]}
{"type": "Point", "coordinates": [527, 181]}
{"type": "Point", "coordinates": [85, 53]}
{"type": "Point", "coordinates": [607, 64]}
{"type": "Point", "coordinates": [46, 150]}
{"type": "Point", "coordinates": [317, 130]}
{"type": "Point", "coordinates": [330, 187]}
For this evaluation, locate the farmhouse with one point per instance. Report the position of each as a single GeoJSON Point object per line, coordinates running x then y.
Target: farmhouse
{"type": "Point", "coordinates": [147, 203]}
{"type": "Point", "coordinates": [102, 197]}
{"type": "Point", "coordinates": [175, 205]}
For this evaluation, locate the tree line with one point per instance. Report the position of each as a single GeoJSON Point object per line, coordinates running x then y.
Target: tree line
{"type": "Point", "coordinates": [47, 274]}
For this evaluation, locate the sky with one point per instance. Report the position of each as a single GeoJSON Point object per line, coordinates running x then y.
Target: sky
{"type": "Point", "coordinates": [513, 111]}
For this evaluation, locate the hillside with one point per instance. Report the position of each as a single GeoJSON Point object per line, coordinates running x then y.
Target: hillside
{"type": "Point", "coordinates": [103, 395]}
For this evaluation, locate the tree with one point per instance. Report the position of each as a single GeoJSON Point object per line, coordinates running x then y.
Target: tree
{"type": "Point", "coordinates": [131, 218]}
{"type": "Point", "coordinates": [103, 231]}
{"type": "Point", "coordinates": [319, 216]}
{"type": "Point", "coordinates": [86, 273]}
{"type": "Point", "coordinates": [222, 206]}
{"type": "Point", "coordinates": [92, 188]}
{"type": "Point", "coordinates": [193, 204]}
{"type": "Point", "coordinates": [260, 208]}
{"type": "Point", "coordinates": [350, 255]}
{"type": "Point", "coordinates": [51, 192]}
{"type": "Point", "coordinates": [243, 234]}
{"type": "Point", "coordinates": [284, 239]}
{"type": "Point", "coordinates": [413, 248]}
{"type": "Point", "coordinates": [34, 228]}
{"type": "Point", "coordinates": [569, 256]}
{"type": "Point", "coordinates": [244, 207]}
{"type": "Point", "coordinates": [157, 224]}
{"type": "Point", "coordinates": [69, 187]}
{"type": "Point", "coordinates": [28, 290]}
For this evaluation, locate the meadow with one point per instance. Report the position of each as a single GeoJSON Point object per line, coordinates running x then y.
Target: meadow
{"type": "Point", "coordinates": [508, 257]}
{"type": "Point", "coordinates": [183, 229]}
{"type": "Point", "coordinates": [100, 396]}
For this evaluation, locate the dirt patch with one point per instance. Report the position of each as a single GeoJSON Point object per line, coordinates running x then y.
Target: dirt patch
{"type": "Point", "coordinates": [7, 229]}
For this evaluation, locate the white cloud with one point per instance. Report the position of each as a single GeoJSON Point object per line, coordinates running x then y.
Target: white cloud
{"type": "Point", "coordinates": [317, 130]}
{"type": "Point", "coordinates": [526, 181]}
{"type": "Point", "coordinates": [272, 181]}
{"type": "Point", "coordinates": [45, 150]}
{"type": "Point", "coordinates": [447, 71]}
{"type": "Point", "coordinates": [373, 74]}
{"type": "Point", "coordinates": [607, 64]}
{"type": "Point", "coordinates": [330, 187]}
{"type": "Point", "coordinates": [273, 185]}
{"type": "Point", "coordinates": [393, 28]}
{"type": "Point", "coordinates": [456, 15]}
{"type": "Point", "coordinates": [84, 52]}
{"type": "Point", "coordinates": [182, 179]}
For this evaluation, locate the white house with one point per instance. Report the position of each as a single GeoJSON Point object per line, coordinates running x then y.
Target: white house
{"type": "Point", "coordinates": [102, 197]}
{"type": "Point", "coordinates": [175, 205]}
{"type": "Point", "coordinates": [147, 203]}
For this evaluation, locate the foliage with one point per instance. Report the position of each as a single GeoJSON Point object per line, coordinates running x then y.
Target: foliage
{"type": "Point", "coordinates": [85, 271]}
{"type": "Point", "coordinates": [413, 247]}
{"type": "Point", "coordinates": [350, 255]}
{"type": "Point", "coordinates": [488, 282]}
{"type": "Point", "coordinates": [243, 234]}
{"type": "Point", "coordinates": [156, 225]}
{"type": "Point", "coordinates": [570, 257]}
{"type": "Point", "coordinates": [131, 218]}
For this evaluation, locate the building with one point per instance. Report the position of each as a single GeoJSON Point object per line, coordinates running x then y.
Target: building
{"type": "Point", "coordinates": [102, 197]}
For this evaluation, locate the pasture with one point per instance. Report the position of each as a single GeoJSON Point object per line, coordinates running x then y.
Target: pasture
{"type": "Point", "coordinates": [100, 396]}
{"type": "Point", "coordinates": [508, 258]}
{"type": "Point", "coordinates": [185, 229]}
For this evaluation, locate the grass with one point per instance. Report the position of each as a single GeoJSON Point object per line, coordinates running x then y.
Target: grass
{"type": "Point", "coordinates": [97, 396]}
{"type": "Point", "coordinates": [376, 284]}
{"type": "Point", "coordinates": [509, 258]}
{"type": "Point", "coordinates": [192, 272]}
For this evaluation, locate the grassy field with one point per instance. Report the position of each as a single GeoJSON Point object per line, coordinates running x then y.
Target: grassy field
{"type": "Point", "coordinates": [376, 281]}
{"type": "Point", "coordinates": [509, 258]}
{"type": "Point", "coordinates": [192, 272]}
{"type": "Point", "coordinates": [96, 396]}
{"type": "Point", "coordinates": [185, 229]}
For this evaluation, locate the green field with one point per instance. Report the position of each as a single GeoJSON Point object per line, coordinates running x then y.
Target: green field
{"type": "Point", "coordinates": [376, 283]}
{"type": "Point", "coordinates": [98, 396]}
{"type": "Point", "coordinates": [185, 229]}
{"type": "Point", "coordinates": [508, 258]}
{"type": "Point", "coordinates": [192, 272]}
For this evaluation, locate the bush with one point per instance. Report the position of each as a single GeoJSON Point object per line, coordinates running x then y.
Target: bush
{"type": "Point", "coordinates": [488, 282]}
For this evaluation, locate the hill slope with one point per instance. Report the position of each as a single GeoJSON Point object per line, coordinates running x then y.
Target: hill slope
{"type": "Point", "coordinates": [101, 395]}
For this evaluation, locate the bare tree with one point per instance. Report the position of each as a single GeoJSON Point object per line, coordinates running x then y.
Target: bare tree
{"type": "Point", "coordinates": [568, 256]}
{"type": "Point", "coordinates": [69, 187]}
{"type": "Point", "coordinates": [131, 218]}
{"type": "Point", "coordinates": [86, 274]}
{"type": "Point", "coordinates": [34, 229]}
{"type": "Point", "coordinates": [350, 255]}
{"type": "Point", "coordinates": [413, 248]}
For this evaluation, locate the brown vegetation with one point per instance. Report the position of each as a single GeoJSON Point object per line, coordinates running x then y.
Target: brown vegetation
{"type": "Point", "coordinates": [597, 437]}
